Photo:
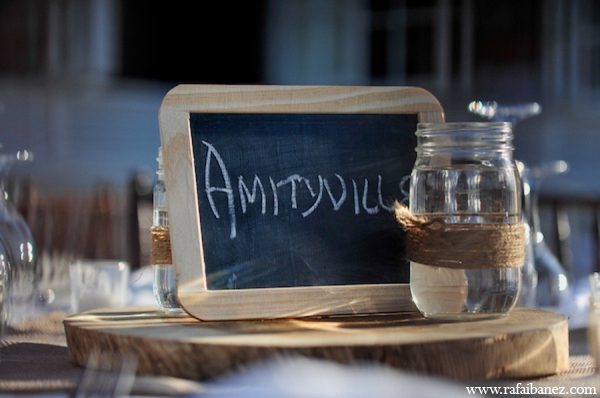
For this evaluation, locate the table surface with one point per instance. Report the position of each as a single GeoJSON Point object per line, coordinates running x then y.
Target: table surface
{"type": "Point", "coordinates": [34, 359]}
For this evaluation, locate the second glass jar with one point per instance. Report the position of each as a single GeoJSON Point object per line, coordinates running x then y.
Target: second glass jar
{"type": "Point", "coordinates": [165, 286]}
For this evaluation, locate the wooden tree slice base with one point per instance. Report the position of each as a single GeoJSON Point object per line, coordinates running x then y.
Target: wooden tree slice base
{"type": "Point", "coordinates": [527, 343]}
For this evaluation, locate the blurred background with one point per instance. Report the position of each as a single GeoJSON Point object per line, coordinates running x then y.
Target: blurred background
{"type": "Point", "coordinates": [81, 82]}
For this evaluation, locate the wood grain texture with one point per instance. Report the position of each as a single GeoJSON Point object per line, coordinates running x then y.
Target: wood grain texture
{"type": "Point", "coordinates": [303, 99]}
{"type": "Point", "coordinates": [527, 343]}
{"type": "Point", "coordinates": [182, 195]}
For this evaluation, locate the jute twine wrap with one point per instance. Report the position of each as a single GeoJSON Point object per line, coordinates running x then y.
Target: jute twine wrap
{"type": "Point", "coordinates": [462, 245]}
{"type": "Point", "coordinates": [161, 246]}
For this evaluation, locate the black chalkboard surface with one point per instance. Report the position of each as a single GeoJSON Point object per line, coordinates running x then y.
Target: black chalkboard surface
{"type": "Point", "coordinates": [301, 199]}
{"type": "Point", "coordinates": [280, 197]}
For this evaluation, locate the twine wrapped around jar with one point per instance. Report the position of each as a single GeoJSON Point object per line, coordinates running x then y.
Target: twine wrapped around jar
{"type": "Point", "coordinates": [161, 246]}
{"type": "Point", "coordinates": [462, 245]}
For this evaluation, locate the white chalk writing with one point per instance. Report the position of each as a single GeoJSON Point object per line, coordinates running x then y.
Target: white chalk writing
{"type": "Point", "coordinates": [297, 185]}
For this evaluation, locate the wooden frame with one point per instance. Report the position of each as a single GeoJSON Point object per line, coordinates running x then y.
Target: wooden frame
{"type": "Point", "coordinates": [182, 197]}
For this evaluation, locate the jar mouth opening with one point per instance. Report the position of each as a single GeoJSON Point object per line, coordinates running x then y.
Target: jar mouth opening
{"type": "Point", "coordinates": [466, 136]}
{"type": "Point", "coordinates": [463, 128]}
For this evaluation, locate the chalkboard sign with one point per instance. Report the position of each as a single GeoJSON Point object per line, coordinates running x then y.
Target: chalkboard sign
{"type": "Point", "coordinates": [301, 199]}
{"type": "Point", "coordinates": [280, 197]}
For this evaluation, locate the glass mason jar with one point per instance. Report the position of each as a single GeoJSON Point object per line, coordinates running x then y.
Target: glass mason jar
{"type": "Point", "coordinates": [165, 286]}
{"type": "Point", "coordinates": [465, 193]}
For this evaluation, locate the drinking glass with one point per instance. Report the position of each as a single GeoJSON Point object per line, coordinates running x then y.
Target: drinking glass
{"type": "Point", "coordinates": [4, 290]}
{"type": "Point", "coordinates": [554, 287]}
{"type": "Point", "coordinates": [16, 237]}
{"type": "Point", "coordinates": [545, 280]}
{"type": "Point", "coordinates": [512, 113]}
{"type": "Point", "coordinates": [98, 284]}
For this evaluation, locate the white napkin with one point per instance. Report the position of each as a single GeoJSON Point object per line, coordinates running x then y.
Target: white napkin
{"type": "Point", "coordinates": [300, 377]}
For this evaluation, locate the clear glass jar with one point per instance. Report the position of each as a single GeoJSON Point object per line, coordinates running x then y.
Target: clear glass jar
{"type": "Point", "coordinates": [19, 254]}
{"type": "Point", "coordinates": [465, 181]}
{"type": "Point", "coordinates": [165, 287]}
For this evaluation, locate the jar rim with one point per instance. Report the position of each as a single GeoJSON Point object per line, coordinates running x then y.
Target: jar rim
{"type": "Point", "coordinates": [464, 136]}
{"type": "Point", "coordinates": [456, 127]}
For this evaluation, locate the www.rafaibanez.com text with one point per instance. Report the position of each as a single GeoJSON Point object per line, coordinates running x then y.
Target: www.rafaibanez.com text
{"type": "Point", "coordinates": [530, 389]}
